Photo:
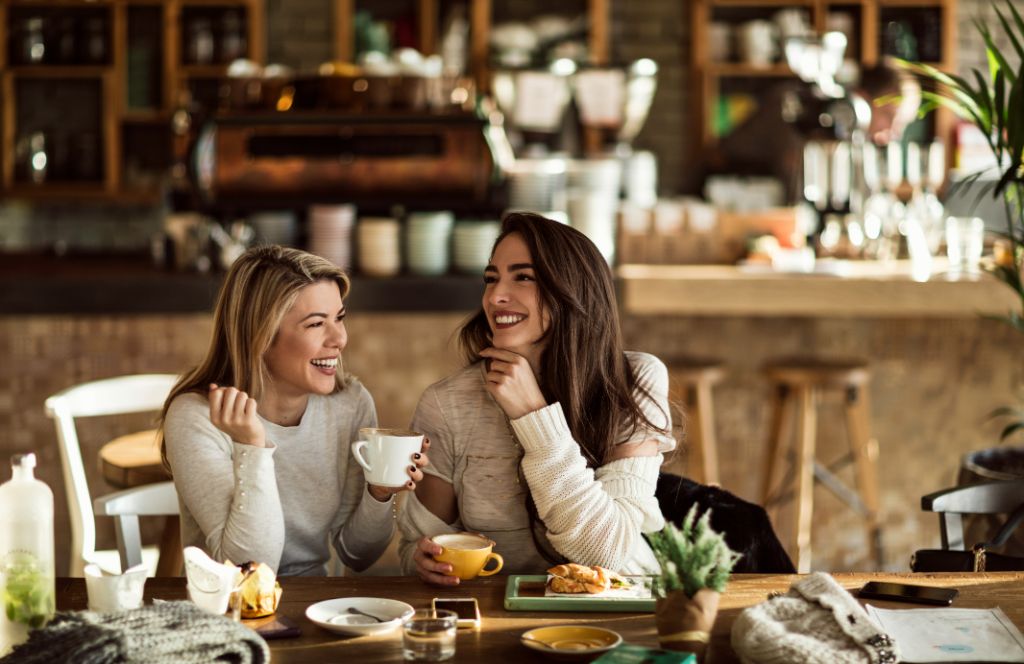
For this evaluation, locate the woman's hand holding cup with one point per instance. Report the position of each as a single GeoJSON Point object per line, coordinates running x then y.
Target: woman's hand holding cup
{"type": "Point", "coordinates": [382, 453]}
{"type": "Point", "coordinates": [429, 569]}
{"type": "Point", "coordinates": [450, 558]}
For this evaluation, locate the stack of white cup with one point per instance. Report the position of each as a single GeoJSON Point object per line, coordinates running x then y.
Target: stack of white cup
{"type": "Point", "coordinates": [427, 240]}
{"type": "Point", "coordinates": [379, 249]}
{"type": "Point", "coordinates": [473, 243]}
{"type": "Point", "coordinates": [330, 233]}
{"type": "Point", "coordinates": [593, 198]}
{"type": "Point", "coordinates": [537, 185]}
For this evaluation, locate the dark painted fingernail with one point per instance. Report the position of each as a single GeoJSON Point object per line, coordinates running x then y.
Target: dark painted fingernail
{"type": "Point", "coordinates": [416, 456]}
{"type": "Point", "coordinates": [412, 468]}
{"type": "Point", "coordinates": [409, 484]}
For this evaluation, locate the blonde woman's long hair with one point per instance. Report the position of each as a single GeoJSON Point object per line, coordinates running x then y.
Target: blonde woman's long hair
{"type": "Point", "coordinates": [260, 288]}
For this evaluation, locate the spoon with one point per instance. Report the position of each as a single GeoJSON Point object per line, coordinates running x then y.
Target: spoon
{"type": "Point", "coordinates": [359, 612]}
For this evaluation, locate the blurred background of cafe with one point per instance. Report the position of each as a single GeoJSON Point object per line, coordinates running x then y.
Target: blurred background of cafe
{"type": "Point", "coordinates": [146, 143]}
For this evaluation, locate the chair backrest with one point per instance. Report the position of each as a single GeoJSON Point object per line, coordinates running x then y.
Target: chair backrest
{"type": "Point", "coordinates": [111, 396]}
{"type": "Point", "coordinates": [1001, 497]}
{"type": "Point", "coordinates": [127, 506]}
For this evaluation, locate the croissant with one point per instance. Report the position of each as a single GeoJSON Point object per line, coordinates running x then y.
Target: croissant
{"type": "Point", "coordinates": [574, 578]}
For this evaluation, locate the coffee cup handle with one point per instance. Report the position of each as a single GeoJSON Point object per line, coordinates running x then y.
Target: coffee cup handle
{"type": "Point", "coordinates": [357, 452]}
{"type": "Point", "coordinates": [492, 556]}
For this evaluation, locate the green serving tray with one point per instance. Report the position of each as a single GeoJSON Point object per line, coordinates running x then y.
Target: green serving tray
{"type": "Point", "coordinates": [526, 593]}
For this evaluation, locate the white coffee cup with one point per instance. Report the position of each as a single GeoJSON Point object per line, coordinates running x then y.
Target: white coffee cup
{"type": "Point", "coordinates": [386, 455]}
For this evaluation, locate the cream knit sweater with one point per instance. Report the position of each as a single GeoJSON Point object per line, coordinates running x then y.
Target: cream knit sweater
{"type": "Point", "coordinates": [593, 517]}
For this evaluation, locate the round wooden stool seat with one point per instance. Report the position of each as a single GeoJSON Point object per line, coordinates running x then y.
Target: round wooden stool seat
{"type": "Point", "coordinates": [819, 373]}
{"type": "Point", "coordinates": [133, 460]}
{"type": "Point", "coordinates": [694, 371]}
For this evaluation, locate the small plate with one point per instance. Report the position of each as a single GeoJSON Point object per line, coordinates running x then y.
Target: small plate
{"type": "Point", "coordinates": [333, 615]}
{"type": "Point", "coordinates": [570, 642]}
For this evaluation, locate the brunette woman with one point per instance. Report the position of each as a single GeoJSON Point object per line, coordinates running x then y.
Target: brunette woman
{"type": "Point", "coordinates": [550, 440]}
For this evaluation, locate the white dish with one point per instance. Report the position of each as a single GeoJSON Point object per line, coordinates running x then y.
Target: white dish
{"type": "Point", "coordinates": [333, 615]}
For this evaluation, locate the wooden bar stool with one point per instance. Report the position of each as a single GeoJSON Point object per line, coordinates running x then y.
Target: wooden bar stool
{"type": "Point", "coordinates": [690, 382]}
{"type": "Point", "coordinates": [799, 386]}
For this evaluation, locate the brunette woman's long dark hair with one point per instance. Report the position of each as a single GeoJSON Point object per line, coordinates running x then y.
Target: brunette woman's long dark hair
{"type": "Point", "coordinates": [583, 366]}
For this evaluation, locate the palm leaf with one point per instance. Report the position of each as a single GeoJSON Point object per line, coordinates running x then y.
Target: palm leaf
{"type": "Point", "coordinates": [1016, 18]}
{"type": "Point", "coordinates": [1015, 119]}
{"type": "Point", "coordinates": [996, 61]}
{"type": "Point", "coordinates": [1009, 32]}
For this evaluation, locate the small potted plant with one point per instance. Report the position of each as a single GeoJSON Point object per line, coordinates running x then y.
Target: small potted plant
{"type": "Point", "coordinates": [695, 565]}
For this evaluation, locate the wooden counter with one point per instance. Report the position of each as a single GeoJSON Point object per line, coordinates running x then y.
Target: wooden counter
{"type": "Point", "coordinates": [854, 289]}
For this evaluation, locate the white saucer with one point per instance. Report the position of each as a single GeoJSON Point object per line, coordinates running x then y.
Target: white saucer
{"type": "Point", "coordinates": [333, 615]}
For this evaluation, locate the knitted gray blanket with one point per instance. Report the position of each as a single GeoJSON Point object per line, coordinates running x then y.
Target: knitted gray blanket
{"type": "Point", "coordinates": [168, 632]}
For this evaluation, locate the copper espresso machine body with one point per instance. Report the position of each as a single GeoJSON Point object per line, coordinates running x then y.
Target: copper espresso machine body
{"type": "Point", "coordinates": [357, 157]}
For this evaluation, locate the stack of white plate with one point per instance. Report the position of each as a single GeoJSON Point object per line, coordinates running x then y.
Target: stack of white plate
{"type": "Point", "coordinates": [275, 227]}
{"type": "Point", "coordinates": [537, 185]}
{"type": "Point", "coordinates": [330, 232]}
{"type": "Point", "coordinates": [379, 251]}
{"type": "Point", "coordinates": [474, 241]}
{"type": "Point", "coordinates": [427, 240]}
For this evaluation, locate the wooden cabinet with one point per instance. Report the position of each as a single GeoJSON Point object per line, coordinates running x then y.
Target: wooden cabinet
{"type": "Point", "coordinates": [877, 27]}
{"type": "Point", "coordinates": [430, 13]}
{"type": "Point", "coordinates": [88, 88]}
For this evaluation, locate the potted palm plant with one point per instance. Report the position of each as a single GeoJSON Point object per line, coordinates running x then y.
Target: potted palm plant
{"type": "Point", "coordinates": [996, 107]}
{"type": "Point", "coordinates": [695, 565]}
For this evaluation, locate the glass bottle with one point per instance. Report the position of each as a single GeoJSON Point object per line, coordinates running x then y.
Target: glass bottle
{"type": "Point", "coordinates": [200, 42]}
{"type": "Point", "coordinates": [232, 37]}
{"type": "Point", "coordinates": [26, 554]}
{"type": "Point", "coordinates": [33, 47]}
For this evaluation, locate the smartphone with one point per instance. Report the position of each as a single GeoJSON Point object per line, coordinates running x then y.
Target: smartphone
{"type": "Point", "coordinates": [905, 592]}
{"type": "Point", "coordinates": [465, 608]}
{"type": "Point", "coordinates": [279, 628]}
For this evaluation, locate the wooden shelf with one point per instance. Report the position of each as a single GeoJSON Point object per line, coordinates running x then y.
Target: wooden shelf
{"type": "Point", "coordinates": [59, 71]}
{"type": "Point", "coordinates": [78, 4]}
{"type": "Point", "coordinates": [204, 71]}
{"type": "Point", "coordinates": [80, 191]}
{"type": "Point", "coordinates": [710, 75]}
{"type": "Point", "coordinates": [165, 17]}
{"type": "Point", "coordinates": [739, 69]}
{"type": "Point", "coordinates": [763, 3]}
{"type": "Point", "coordinates": [144, 116]}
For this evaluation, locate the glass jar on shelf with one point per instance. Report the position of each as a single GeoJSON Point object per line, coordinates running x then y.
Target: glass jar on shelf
{"type": "Point", "coordinates": [233, 45]}
{"type": "Point", "coordinates": [200, 44]}
{"type": "Point", "coordinates": [94, 40]}
{"type": "Point", "coordinates": [33, 41]}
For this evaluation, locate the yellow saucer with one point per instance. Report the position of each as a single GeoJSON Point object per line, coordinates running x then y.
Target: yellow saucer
{"type": "Point", "coordinates": [570, 642]}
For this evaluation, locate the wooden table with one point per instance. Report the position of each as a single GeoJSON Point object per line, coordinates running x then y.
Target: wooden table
{"type": "Point", "coordinates": [498, 638]}
{"type": "Point", "coordinates": [134, 460]}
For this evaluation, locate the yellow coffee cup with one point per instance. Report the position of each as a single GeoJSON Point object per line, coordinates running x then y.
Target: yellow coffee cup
{"type": "Point", "coordinates": [468, 554]}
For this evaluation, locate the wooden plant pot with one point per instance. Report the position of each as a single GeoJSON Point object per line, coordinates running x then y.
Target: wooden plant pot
{"type": "Point", "coordinates": [685, 623]}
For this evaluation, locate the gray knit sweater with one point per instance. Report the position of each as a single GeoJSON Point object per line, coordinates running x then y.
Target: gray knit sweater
{"type": "Point", "coordinates": [166, 632]}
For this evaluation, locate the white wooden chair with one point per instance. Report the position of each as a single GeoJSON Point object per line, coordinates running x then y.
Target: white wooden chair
{"type": "Point", "coordinates": [111, 396]}
{"type": "Point", "coordinates": [127, 506]}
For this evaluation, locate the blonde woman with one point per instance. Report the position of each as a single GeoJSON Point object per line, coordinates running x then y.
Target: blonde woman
{"type": "Point", "coordinates": [258, 435]}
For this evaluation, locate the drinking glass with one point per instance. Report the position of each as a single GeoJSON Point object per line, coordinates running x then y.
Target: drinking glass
{"type": "Point", "coordinates": [429, 635]}
{"type": "Point", "coordinates": [965, 238]}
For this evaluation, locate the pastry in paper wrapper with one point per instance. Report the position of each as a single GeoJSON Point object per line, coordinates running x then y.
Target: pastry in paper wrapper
{"type": "Point", "coordinates": [260, 590]}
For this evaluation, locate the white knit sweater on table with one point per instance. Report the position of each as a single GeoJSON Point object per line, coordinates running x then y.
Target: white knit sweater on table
{"type": "Point", "coordinates": [592, 517]}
